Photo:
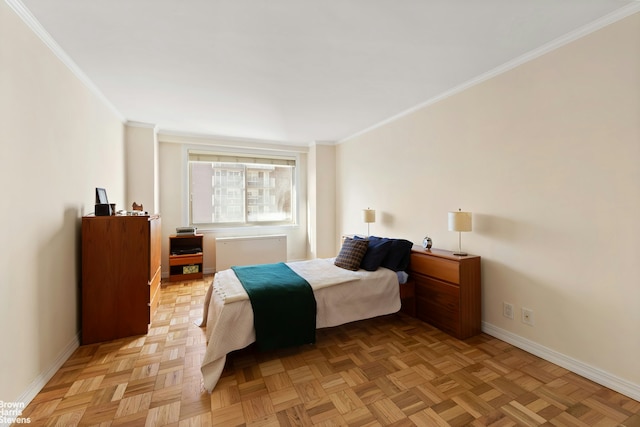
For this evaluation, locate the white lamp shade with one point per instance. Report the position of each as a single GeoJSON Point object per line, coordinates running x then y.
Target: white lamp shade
{"type": "Point", "coordinates": [368, 215]}
{"type": "Point", "coordinates": [459, 221]}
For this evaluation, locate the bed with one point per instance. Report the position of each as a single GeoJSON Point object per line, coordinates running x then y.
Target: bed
{"type": "Point", "coordinates": [344, 292]}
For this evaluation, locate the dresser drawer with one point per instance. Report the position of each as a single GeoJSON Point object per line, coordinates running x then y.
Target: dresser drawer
{"type": "Point", "coordinates": [154, 294]}
{"type": "Point", "coordinates": [439, 268]}
{"type": "Point", "coordinates": [438, 303]}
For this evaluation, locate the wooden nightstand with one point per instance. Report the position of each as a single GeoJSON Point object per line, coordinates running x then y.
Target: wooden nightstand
{"type": "Point", "coordinates": [447, 290]}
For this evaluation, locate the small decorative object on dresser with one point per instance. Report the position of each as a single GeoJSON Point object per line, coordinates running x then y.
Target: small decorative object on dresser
{"type": "Point", "coordinates": [427, 242]}
{"type": "Point", "coordinates": [447, 290]}
{"type": "Point", "coordinates": [102, 206]}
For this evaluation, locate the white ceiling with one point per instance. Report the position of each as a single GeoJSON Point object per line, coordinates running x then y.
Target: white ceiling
{"type": "Point", "coordinates": [297, 71]}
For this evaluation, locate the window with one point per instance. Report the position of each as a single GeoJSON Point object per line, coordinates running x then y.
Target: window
{"type": "Point", "coordinates": [241, 190]}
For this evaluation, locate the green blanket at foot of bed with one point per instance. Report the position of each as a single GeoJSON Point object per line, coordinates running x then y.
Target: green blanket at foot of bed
{"type": "Point", "coordinates": [284, 308]}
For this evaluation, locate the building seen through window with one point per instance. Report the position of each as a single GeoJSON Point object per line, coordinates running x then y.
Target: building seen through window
{"type": "Point", "coordinates": [240, 193]}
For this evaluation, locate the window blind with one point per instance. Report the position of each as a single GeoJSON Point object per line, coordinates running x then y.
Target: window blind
{"type": "Point", "coordinates": [199, 156]}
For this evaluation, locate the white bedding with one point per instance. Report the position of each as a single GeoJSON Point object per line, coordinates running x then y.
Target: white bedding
{"type": "Point", "coordinates": [228, 315]}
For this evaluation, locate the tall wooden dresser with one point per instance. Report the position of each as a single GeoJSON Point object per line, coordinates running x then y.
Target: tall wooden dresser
{"type": "Point", "coordinates": [120, 275]}
{"type": "Point", "coordinates": [447, 290]}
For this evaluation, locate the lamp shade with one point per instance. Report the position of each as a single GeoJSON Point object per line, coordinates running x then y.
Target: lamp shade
{"type": "Point", "coordinates": [369, 215]}
{"type": "Point", "coordinates": [459, 221]}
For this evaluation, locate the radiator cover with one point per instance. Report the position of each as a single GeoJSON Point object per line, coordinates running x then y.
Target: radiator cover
{"type": "Point", "coordinates": [248, 250]}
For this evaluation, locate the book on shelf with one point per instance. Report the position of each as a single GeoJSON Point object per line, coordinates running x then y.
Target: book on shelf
{"type": "Point", "coordinates": [186, 231]}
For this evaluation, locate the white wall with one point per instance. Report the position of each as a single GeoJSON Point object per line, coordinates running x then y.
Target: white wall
{"type": "Point", "coordinates": [173, 187]}
{"type": "Point", "coordinates": [58, 141]}
{"type": "Point", "coordinates": [547, 157]}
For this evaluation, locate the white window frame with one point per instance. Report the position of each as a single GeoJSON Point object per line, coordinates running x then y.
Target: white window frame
{"type": "Point", "coordinates": [214, 150]}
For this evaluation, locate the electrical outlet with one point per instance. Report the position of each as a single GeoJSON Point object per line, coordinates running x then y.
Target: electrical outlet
{"type": "Point", "coordinates": [507, 310]}
{"type": "Point", "coordinates": [527, 316]}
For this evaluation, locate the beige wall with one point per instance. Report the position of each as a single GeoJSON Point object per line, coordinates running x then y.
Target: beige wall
{"type": "Point", "coordinates": [321, 207]}
{"type": "Point", "coordinates": [547, 157]}
{"type": "Point", "coordinates": [58, 142]}
{"type": "Point", "coordinates": [142, 172]}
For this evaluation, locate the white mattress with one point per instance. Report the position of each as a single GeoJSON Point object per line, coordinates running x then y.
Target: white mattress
{"type": "Point", "coordinates": [342, 296]}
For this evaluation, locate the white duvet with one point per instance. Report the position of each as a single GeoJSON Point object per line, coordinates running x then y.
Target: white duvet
{"type": "Point", "coordinates": [342, 296]}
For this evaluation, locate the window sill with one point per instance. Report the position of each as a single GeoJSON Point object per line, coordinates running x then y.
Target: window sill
{"type": "Point", "coordinates": [248, 229]}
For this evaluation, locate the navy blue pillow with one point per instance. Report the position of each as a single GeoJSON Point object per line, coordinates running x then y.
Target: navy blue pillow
{"type": "Point", "coordinates": [376, 252]}
{"type": "Point", "coordinates": [398, 255]}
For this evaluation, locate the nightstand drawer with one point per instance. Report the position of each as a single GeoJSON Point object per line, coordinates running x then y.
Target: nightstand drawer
{"type": "Point", "coordinates": [439, 268]}
{"type": "Point", "coordinates": [438, 303]}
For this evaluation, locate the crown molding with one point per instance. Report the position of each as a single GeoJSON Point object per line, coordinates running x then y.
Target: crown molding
{"type": "Point", "coordinates": [326, 143]}
{"type": "Point", "coordinates": [179, 137]}
{"type": "Point", "coordinates": [583, 31]}
{"type": "Point", "coordinates": [134, 124]}
{"type": "Point", "coordinates": [35, 26]}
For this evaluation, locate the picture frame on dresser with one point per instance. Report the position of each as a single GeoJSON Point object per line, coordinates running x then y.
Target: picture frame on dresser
{"type": "Point", "coordinates": [101, 196]}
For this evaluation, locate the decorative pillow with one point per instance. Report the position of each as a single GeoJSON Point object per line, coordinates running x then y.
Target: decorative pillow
{"type": "Point", "coordinates": [399, 255]}
{"type": "Point", "coordinates": [376, 252]}
{"type": "Point", "coordinates": [351, 253]}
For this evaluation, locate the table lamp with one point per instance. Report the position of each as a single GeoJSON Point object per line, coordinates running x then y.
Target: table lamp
{"type": "Point", "coordinates": [460, 221]}
{"type": "Point", "coordinates": [368, 216]}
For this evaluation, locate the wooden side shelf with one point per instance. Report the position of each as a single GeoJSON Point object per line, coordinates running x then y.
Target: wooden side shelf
{"type": "Point", "coordinates": [185, 257]}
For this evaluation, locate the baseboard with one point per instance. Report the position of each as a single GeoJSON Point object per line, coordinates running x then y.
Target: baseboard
{"type": "Point", "coordinates": [594, 374]}
{"type": "Point", "coordinates": [41, 380]}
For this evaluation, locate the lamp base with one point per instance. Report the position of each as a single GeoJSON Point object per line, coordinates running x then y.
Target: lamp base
{"type": "Point", "coordinates": [460, 253]}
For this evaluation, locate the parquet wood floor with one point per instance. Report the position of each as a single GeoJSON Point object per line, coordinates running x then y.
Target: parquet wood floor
{"type": "Point", "coordinates": [393, 370]}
